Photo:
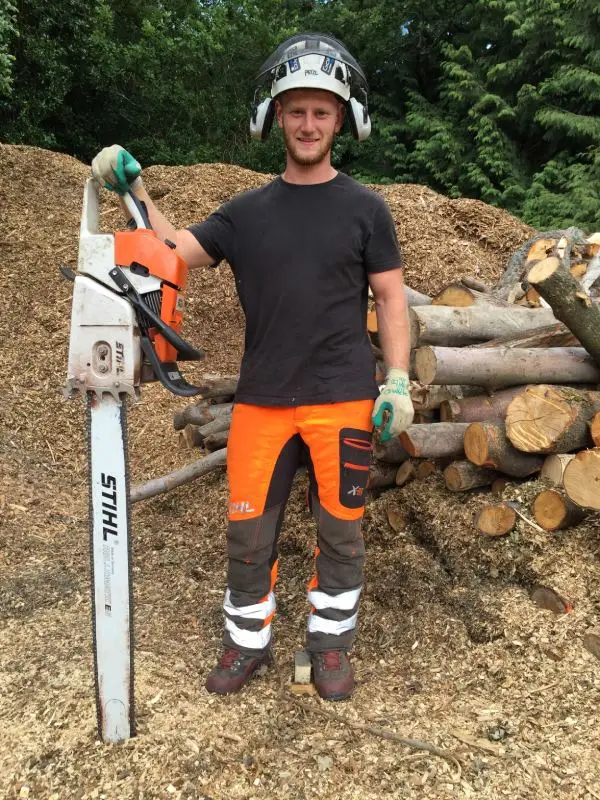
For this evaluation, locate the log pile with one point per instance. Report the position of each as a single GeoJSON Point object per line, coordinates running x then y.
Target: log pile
{"type": "Point", "coordinates": [508, 375]}
{"type": "Point", "coordinates": [504, 382]}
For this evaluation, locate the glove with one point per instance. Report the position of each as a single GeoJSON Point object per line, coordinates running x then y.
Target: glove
{"type": "Point", "coordinates": [116, 169]}
{"type": "Point", "coordinates": [395, 399]}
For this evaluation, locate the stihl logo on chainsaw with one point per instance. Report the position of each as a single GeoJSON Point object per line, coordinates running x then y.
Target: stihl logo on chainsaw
{"type": "Point", "coordinates": [120, 357]}
{"type": "Point", "coordinates": [109, 506]}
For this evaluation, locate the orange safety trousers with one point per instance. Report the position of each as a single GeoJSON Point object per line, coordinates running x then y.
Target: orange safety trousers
{"type": "Point", "coordinates": [263, 452]}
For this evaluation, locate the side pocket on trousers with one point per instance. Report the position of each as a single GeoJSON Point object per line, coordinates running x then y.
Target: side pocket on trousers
{"type": "Point", "coordinates": [355, 459]}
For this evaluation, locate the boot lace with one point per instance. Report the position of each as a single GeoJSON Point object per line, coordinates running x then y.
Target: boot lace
{"type": "Point", "coordinates": [331, 660]}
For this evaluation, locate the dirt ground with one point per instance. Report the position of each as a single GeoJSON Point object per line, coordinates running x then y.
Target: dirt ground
{"type": "Point", "coordinates": [451, 650]}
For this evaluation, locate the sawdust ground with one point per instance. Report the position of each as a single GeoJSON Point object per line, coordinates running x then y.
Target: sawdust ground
{"type": "Point", "coordinates": [451, 651]}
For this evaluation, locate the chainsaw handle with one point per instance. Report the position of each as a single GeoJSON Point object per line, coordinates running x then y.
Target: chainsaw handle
{"type": "Point", "coordinates": [137, 210]}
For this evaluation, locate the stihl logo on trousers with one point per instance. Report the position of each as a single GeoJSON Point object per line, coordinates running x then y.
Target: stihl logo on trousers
{"type": "Point", "coordinates": [243, 507]}
{"type": "Point", "coordinates": [356, 491]}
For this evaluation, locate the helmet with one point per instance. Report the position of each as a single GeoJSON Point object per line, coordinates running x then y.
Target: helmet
{"type": "Point", "coordinates": [311, 61]}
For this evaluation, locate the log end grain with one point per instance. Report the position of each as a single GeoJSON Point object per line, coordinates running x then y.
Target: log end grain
{"type": "Point", "coordinates": [425, 365]}
{"type": "Point", "coordinates": [540, 271]}
{"type": "Point", "coordinates": [549, 510]}
{"type": "Point", "coordinates": [581, 479]}
{"type": "Point", "coordinates": [496, 520]}
{"type": "Point", "coordinates": [476, 445]}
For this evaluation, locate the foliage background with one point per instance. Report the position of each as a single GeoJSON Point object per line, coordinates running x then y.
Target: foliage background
{"type": "Point", "coordinates": [491, 99]}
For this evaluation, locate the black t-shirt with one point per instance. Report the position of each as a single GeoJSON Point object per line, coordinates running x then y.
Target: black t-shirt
{"type": "Point", "coordinates": [300, 255]}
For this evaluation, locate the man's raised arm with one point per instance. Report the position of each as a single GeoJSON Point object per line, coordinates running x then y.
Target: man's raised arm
{"type": "Point", "coordinates": [117, 170]}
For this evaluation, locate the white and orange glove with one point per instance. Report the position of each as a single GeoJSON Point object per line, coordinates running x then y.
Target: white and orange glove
{"type": "Point", "coordinates": [395, 399]}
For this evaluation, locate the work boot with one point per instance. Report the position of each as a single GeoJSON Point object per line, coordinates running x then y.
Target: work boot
{"type": "Point", "coordinates": [332, 674]}
{"type": "Point", "coordinates": [234, 670]}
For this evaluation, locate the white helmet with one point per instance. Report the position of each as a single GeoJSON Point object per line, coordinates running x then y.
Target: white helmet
{"type": "Point", "coordinates": [311, 61]}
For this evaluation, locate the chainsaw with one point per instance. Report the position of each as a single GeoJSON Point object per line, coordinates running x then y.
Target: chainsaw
{"type": "Point", "coordinates": [126, 318]}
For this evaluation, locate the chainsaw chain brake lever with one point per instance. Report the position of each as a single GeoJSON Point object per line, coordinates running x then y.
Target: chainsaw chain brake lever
{"type": "Point", "coordinates": [167, 373]}
{"type": "Point", "coordinates": [185, 351]}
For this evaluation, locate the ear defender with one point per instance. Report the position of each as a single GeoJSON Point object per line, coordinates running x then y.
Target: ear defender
{"type": "Point", "coordinates": [262, 117]}
{"type": "Point", "coordinates": [358, 118]}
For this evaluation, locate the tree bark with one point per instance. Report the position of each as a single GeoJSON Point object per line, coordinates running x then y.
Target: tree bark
{"type": "Point", "coordinates": [582, 479]}
{"type": "Point", "coordinates": [381, 476]}
{"type": "Point", "coordinates": [486, 445]}
{"type": "Point", "coordinates": [504, 366]}
{"type": "Point", "coordinates": [218, 387]}
{"type": "Point", "coordinates": [436, 440]}
{"type": "Point", "coordinates": [456, 327]}
{"type": "Point", "coordinates": [482, 408]}
{"type": "Point", "coordinates": [179, 477]}
{"type": "Point", "coordinates": [551, 419]}
{"type": "Point", "coordinates": [192, 415]}
{"type": "Point", "coordinates": [221, 423]}
{"type": "Point", "coordinates": [595, 429]}
{"type": "Point", "coordinates": [216, 440]}
{"type": "Point", "coordinates": [392, 451]}
{"type": "Point", "coordinates": [554, 466]}
{"type": "Point", "coordinates": [570, 303]}
{"type": "Point", "coordinates": [496, 519]}
{"type": "Point", "coordinates": [463, 475]}
{"type": "Point", "coordinates": [554, 511]}
{"type": "Point", "coordinates": [429, 398]}
{"type": "Point", "coordinates": [555, 335]}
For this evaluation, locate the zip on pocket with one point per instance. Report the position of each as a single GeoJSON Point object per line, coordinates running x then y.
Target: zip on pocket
{"type": "Point", "coordinates": [355, 459]}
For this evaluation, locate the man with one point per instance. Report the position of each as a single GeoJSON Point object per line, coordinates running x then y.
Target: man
{"type": "Point", "coordinates": [303, 250]}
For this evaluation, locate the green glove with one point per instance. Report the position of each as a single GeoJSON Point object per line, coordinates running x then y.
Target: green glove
{"type": "Point", "coordinates": [395, 399]}
{"type": "Point", "coordinates": [116, 169]}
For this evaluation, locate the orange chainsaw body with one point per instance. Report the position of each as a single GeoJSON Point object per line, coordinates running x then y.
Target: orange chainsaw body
{"type": "Point", "coordinates": [143, 247]}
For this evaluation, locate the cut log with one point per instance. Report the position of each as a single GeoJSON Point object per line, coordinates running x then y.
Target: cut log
{"type": "Point", "coordinates": [436, 440]}
{"type": "Point", "coordinates": [486, 445]}
{"type": "Point", "coordinates": [556, 335]}
{"type": "Point", "coordinates": [392, 451]}
{"type": "Point", "coordinates": [184, 475]}
{"type": "Point", "coordinates": [581, 480]}
{"type": "Point", "coordinates": [425, 417]}
{"type": "Point", "coordinates": [425, 468]}
{"type": "Point", "coordinates": [481, 408]}
{"type": "Point", "coordinates": [554, 467]}
{"type": "Point", "coordinates": [569, 302]}
{"type": "Point", "coordinates": [381, 476]}
{"type": "Point", "coordinates": [551, 419]}
{"type": "Point", "coordinates": [220, 409]}
{"type": "Point", "coordinates": [578, 270]}
{"type": "Point", "coordinates": [499, 484]}
{"type": "Point", "coordinates": [460, 296]}
{"type": "Point", "coordinates": [505, 366]}
{"type": "Point", "coordinates": [518, 264]}
{"type": "Point", "coordinates": [192, 415]}
{"type": "Point", "coordinates": [554, 511]}
{"type": "Point", "coordinates": [218, 387]}
{"type": "Point", "coordinates": [496, 519]}
{"type": "Point", "coordinates": [191, 437]}
{"type": "Point", "coordinates": [414, 298]}
{"type": "Point", "coordinates": [463, 475]}
{"type": "Point", "coordinates": [595, 429]}
{"type": "Point", "coordinates": [216, 441]}
{"type": "Point", "coordinates": [429, 398]}
{"type": "Point", "coordinates": [405, 473]}
{"type": "Point", "coordinates": [221, 423]}
{"type": "Point", "coordinates": [456, 327]}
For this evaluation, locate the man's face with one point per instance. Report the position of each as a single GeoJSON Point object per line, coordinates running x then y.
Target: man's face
{"type": "Point", "coordinates": [309, 118]}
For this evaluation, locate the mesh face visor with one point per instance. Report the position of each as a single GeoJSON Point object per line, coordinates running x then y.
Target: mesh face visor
{"type": "Point", "coordinates": [303, 44]}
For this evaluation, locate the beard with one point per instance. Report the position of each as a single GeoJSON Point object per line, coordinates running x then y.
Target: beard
{"type": "Point", "coordinates": [305, 159]}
